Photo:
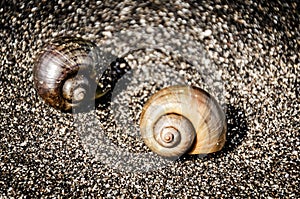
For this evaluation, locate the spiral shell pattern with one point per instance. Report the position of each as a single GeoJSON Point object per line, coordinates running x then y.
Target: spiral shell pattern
{"type": "Point", "coordinates": [182, 119]}
{"type": "Point", "coordinates": [65, 72]}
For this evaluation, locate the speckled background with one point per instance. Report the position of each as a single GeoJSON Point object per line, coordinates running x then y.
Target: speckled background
{"type": "Point", "coordinates": [256, 46]}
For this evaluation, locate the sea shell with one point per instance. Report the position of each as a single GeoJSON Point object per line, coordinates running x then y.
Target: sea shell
{"type": "Point", "coordinates": [65, 72]}
{"type": "Point", "coordinates": [181, 119]}
{"type": "Point", "coordinates": [71, 72]}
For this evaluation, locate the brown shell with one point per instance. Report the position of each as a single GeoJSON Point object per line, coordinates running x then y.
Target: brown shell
{"type": "Point", "coordinates": [63, 59]}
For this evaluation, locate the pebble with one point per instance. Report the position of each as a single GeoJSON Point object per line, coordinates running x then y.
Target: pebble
{"type": "Point", "coordinates": [206, 33]}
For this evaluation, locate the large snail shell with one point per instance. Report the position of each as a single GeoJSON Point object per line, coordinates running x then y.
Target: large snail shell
{"type": "Point", "coordinates": [65, 72]}
{"type": "Point", "coordinates": [182, 119]}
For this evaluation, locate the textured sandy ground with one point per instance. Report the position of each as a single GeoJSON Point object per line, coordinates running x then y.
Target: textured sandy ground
{"type": "Point", "coordinates": [253, 45]}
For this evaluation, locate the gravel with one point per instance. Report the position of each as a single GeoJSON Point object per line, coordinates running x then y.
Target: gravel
{"type": "Point", "coordinates": [246, 53]}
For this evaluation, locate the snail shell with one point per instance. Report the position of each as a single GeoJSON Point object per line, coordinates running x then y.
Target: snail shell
{"type": "Point", "coordinates": [65, 72]}
{"type": "Point", "coordinates": [181, 119]}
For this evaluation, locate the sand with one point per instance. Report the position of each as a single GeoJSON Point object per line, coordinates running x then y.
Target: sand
{"type": "Point", "coordinates": [246, 54]}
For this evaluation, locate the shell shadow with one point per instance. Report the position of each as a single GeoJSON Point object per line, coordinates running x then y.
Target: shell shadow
{"type": "Point", "coordinates": [105, 101]}
{"type": "Point", "coordinates": [237, 129]}
{"type": "Point", "coordinates": [110, 77]}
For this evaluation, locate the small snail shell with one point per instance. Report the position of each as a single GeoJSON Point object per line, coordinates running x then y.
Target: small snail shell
{"type": "Point", "coordinates": [65, 72]}
{"type": "Point", "coordinates": [181, 119]}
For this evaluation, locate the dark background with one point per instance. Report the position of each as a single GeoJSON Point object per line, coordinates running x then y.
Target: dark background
{"type": "Point", "coordinates": [256, 43]}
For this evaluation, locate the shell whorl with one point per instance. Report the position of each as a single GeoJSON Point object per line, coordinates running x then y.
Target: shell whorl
{"type": "Point", "coordinates": [173, 133]}
{"type": "Point", "coordinates": [65, 72]}
{"type": "Point", "coordinates": [200, 126]}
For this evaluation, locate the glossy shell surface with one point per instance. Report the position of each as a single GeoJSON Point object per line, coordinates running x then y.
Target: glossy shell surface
{"type": "Point", "coordinates": [65, 72]}
{"type": "Point", "coordinates": [208, 131]}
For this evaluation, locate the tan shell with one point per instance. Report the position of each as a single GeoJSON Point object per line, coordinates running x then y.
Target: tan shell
{"type": "Point", "coordinates": [192, 106]}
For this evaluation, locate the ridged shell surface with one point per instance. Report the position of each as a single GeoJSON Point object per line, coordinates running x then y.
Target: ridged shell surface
{"type": "Point", "coordinates": [70, 61]}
